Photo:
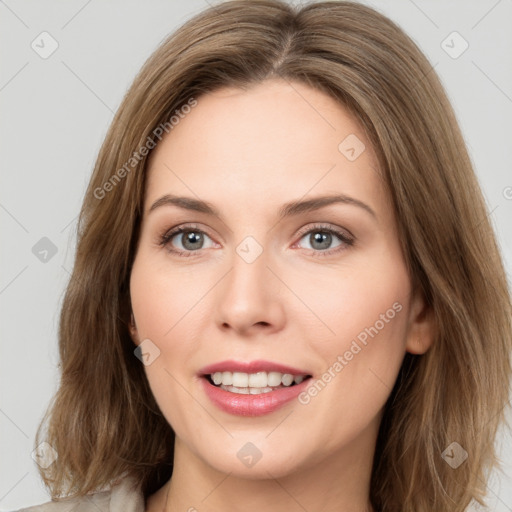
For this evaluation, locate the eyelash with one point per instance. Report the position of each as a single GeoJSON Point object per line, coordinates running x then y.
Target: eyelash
{"type": "Point", "coordinates": [348, 241]}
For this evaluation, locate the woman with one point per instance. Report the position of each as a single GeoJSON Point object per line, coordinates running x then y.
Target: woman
{"type": "Point", "coordinates": [287, 294]}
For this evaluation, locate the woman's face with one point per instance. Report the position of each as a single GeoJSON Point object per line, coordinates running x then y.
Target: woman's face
{"type": "Point", "coordinates": [276, 286]}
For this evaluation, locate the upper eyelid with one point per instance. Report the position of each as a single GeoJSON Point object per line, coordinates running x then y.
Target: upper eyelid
{"type": "Point", "coordinates": [326, 226]}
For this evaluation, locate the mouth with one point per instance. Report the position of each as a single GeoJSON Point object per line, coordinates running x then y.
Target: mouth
{"type": "Point", "coordinates": [252, 388]}
{"type": "Point", "coordinates": [254, 383]}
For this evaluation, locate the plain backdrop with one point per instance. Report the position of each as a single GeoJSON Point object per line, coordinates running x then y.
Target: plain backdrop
{"type": "Point", "coordinates": [55, 114]}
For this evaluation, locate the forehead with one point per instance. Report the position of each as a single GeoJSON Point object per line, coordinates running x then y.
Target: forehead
{"type": "Point", "coordinates": [274, 142]}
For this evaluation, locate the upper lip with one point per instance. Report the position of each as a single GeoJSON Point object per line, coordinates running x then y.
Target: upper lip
{"type": "Point", "coordinates": [251, 367]}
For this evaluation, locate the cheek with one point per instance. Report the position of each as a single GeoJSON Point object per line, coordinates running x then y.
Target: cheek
{"type": "Point", "coordinates": [355, 302]}
{"type": "Point", "coordinates": [364, 325]}
{"type": "Point", "coordinates": [161, 296]}
{"type": "Point", "coordinates": [166, 303]}
{"type": "Point", "coordinates": [160, 310]}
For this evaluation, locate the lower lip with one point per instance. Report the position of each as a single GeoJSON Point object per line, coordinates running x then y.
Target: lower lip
{"type": "Point", "coordinates": [252, 405]}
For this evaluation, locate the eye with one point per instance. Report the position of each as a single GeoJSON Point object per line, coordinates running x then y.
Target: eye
{"type": "Point", "coordinates": [190, 238]}
{"type": "Point", "coordinates": [320, 238]}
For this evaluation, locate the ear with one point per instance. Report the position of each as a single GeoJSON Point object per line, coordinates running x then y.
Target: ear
{"type": "Point", "coordinates": [421, 331]}
{"type": "Point", "coordinates": [126, 314]}
{"type": "Point", "coordinates": [134, 333]}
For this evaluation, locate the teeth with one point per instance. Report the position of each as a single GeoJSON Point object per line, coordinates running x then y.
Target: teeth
{"type": "Point", "coordinates": [258, 380]}
{"type": "Point", "coordinates": [227, 378]}
{"type": "Point", "coordinates": [243, 391]}
{"type": "Point", "coordinates": [274, 378]}
{"type": "Point", "coordinates": [240, 380]}
{"type": "Point", "coordinates": [254, 383]}
{"type": "Point", "coordinates": [287, 379]}
{"type": "Point", "coordinates": [247, 391]}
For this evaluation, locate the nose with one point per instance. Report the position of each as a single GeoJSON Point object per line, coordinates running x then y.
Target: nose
{"type": "Point", "coordinates": [249, 298]}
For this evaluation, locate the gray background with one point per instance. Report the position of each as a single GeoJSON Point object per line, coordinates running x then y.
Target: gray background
{"type": "Point", "coordinates": [55, 113]}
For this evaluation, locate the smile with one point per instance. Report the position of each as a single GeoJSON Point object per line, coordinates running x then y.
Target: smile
{"type": "Point", "coordinates": [252, 388]}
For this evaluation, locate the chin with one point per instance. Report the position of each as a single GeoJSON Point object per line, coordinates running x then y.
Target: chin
{"type": "Point", "coordinates": [252, 456]}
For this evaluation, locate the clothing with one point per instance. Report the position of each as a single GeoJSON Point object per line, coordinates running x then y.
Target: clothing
{"type": "Point", "coordinates": [123, 496]}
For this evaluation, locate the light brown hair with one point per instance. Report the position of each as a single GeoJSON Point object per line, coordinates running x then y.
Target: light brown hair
{"type": "Point", "coordinates": [104, 421]}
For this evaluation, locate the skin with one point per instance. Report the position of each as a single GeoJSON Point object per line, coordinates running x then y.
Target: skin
{"type": "Point", "coordinates": [247, 153]}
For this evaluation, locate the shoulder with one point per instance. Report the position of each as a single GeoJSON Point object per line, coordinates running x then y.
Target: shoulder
{"type": "Point", "coordinates": [123, 496]}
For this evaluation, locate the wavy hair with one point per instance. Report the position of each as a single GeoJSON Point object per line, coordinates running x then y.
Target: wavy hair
{"type": "Point", "coordinates": [99, 418]}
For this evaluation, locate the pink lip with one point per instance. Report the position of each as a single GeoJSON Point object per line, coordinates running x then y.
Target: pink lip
{"type": "Point", "coordinates": [252, 405]}
{"type": "Point", "coordinates": [251, 367]}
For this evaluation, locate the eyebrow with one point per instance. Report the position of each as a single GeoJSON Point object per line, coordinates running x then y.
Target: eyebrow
{"type": "Point", "coordinates": [287, 210]}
